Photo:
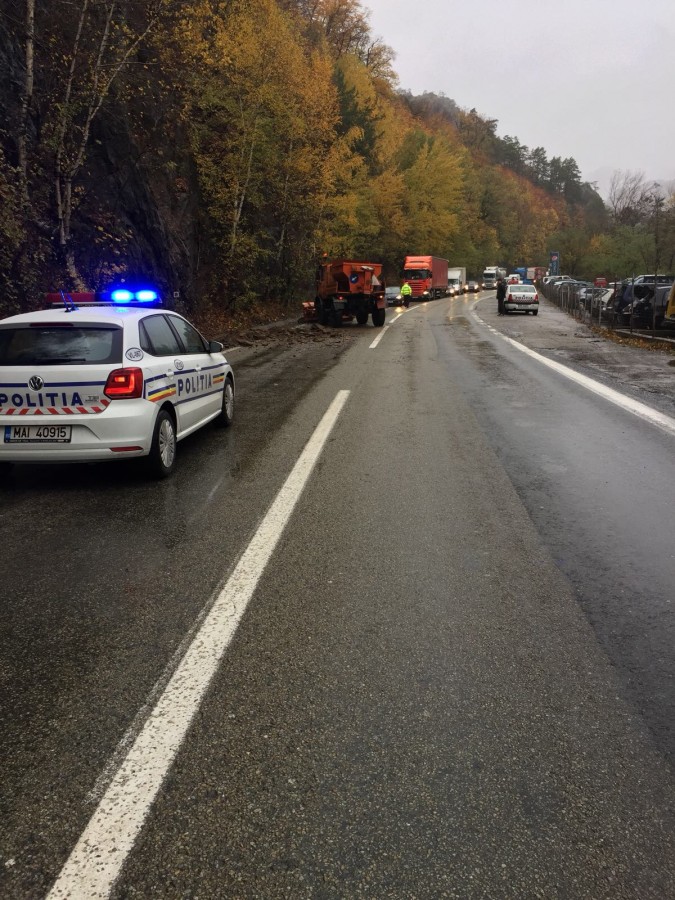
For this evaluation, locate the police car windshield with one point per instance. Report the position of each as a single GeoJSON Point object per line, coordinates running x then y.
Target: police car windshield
{"type": "Point", "coordinates": [53, 345]}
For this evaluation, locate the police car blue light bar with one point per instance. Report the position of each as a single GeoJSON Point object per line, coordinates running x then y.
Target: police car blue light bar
{"type": "Point", "coordinates": [147, 296]}
{"type": "Point", "coordinates": [116, 296]}
{"type": "Point", "coordinates": [121, 295]}
{"type": "Point", "coordinates": [143, 295]}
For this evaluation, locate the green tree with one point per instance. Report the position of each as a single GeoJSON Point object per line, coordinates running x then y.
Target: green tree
{"type": "Point", "coordinates": [539, 165]}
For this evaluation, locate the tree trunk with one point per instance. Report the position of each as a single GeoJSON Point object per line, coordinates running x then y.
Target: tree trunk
{"type": "Point", "coordinates": [26, 100]}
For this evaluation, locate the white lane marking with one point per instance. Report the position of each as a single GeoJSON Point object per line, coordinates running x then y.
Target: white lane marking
{"type": "Point", "coordinates": [379, 337]}
{"type": "Point", "coordinates": [386, 328]}
{"type": "Point", "coordinates": [627, 403]}
{"type": "Point", "coordinates": [97, 859]}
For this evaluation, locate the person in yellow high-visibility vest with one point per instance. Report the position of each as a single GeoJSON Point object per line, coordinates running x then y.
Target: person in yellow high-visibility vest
{"type": "Point", "coordinates": [670, 308]}
{"type": "Point", "coordinates": [406, 293]}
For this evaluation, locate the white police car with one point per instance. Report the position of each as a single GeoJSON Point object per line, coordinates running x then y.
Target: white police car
{"type": "Point", "coordinates": [90, 380]}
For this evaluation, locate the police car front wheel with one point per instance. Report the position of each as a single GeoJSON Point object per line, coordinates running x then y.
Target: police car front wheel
{"type": "Point", "coordinates": [227, 410]}
{"type": "Point", "coordinates": [162, 457]}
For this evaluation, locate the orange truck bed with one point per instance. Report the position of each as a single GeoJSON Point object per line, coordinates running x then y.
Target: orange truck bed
{"type": "Point", "coordinates": [350, 288]}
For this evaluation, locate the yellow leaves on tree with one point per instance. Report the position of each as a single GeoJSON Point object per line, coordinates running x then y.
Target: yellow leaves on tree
{"type": "Point", "coordinates": [261, 114]}
{"type": "Point", "coordinates": [433, 191]}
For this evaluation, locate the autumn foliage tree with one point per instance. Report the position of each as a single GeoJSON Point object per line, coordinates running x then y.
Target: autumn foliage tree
{"type": "Point", "coordinates": [261, 110]}
{"type": "Point", "coordinates": [235, 141]}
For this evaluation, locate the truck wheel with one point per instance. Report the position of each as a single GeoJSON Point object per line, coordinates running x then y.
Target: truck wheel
{"type": "Point", "coordinates": [379, 316]}
{"type": "Point", "coordinates": [321, 311]}
{"type": "Point", "coordinates": [362, 317]}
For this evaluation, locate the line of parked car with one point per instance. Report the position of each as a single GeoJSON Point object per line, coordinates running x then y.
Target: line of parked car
{"type": "Point", "coordinates": [643, 299]}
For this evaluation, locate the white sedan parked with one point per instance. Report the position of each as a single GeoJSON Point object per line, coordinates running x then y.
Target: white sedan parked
{"type": "Point", "coordinates": [521, 297]}
{"type": "Point", "coordinates": [91, 382]}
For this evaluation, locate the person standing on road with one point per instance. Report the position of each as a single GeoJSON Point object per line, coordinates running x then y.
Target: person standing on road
{"type": "Point", "coordinates": [406, 292]}
{"type": "Point", "coordinates": [670, 305]}
{"type": "Point", "coordinates": [501, 296]}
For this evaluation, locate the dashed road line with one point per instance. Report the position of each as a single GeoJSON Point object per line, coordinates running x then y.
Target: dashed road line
{"type": "Point", "coordinates": [387, 327]}
{"type": "Point", "coordinates": [379, 337]}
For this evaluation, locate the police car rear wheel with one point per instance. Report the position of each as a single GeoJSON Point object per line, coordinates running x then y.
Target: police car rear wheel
{"type": "Point", "coordinates": [226, 416]}
{"type": "Point", "coordinates": [162, 458]}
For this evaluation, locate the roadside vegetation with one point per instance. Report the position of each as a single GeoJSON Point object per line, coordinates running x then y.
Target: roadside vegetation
{"type": "Point", "coordinates": [220, 147]}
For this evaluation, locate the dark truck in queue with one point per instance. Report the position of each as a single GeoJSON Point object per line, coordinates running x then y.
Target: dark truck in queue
{"type": "Point", "coordinates": [348, 289]}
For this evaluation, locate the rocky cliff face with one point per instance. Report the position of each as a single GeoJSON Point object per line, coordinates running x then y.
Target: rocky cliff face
{"type": "Point", "coordinates": [137, 197]}
{"type": "Point", "coordinates": [149, 195]}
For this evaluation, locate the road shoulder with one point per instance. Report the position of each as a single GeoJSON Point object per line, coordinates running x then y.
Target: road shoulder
{"type": "Point", "coordinates": [647, 374]}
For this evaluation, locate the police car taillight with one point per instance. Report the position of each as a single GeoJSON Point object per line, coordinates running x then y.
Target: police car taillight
{"type": "Point", "coordinates": [61, 298]}
{"type": "Point", "coordinates": [124, 384]}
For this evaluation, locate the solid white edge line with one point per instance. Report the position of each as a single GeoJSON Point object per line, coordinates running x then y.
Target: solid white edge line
{"type": "Point", "coordinates": [661, 420]}
{"type": "Point", "coordinates": [97, 859]}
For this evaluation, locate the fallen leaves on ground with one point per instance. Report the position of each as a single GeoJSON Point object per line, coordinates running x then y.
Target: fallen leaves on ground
{"type": "Point", "coordinates": [642, 342]}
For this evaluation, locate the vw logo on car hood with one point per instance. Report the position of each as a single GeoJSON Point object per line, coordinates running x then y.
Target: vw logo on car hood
{"type": "Point", "coordinates": [36, 383]}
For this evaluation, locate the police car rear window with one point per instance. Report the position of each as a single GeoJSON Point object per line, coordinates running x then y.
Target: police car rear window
{"type": "Point", "coordinates": [52, 345]}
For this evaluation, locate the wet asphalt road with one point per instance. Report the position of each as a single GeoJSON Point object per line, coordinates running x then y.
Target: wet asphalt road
{"type": "Point", "coordinates": [456, 676]}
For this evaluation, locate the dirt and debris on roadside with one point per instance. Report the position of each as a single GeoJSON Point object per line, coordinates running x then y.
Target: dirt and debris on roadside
{"type": "Point", "coordinates": [266, 324]}
{"type": "Point", "coordinates": [287, 333]}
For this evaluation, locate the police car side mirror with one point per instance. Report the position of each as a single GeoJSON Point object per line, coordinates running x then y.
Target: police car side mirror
{"type": "Point", "coordinates": [215, 347]}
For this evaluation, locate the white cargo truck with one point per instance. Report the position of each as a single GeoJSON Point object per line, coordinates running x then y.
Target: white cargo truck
{"type": "Point", "coordinates": [456, 280]}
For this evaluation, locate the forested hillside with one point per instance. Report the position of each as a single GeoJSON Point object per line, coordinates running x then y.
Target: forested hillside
{"type": "Point", "coordinates": [221, 146]}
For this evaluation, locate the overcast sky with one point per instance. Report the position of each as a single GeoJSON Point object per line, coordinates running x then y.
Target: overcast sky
{"type": "Point", "coordinates": [591, 79]}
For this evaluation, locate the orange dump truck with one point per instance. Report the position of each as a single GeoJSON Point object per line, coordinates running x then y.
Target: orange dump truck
{"type": "Point", "coordinates": [346, 289]}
